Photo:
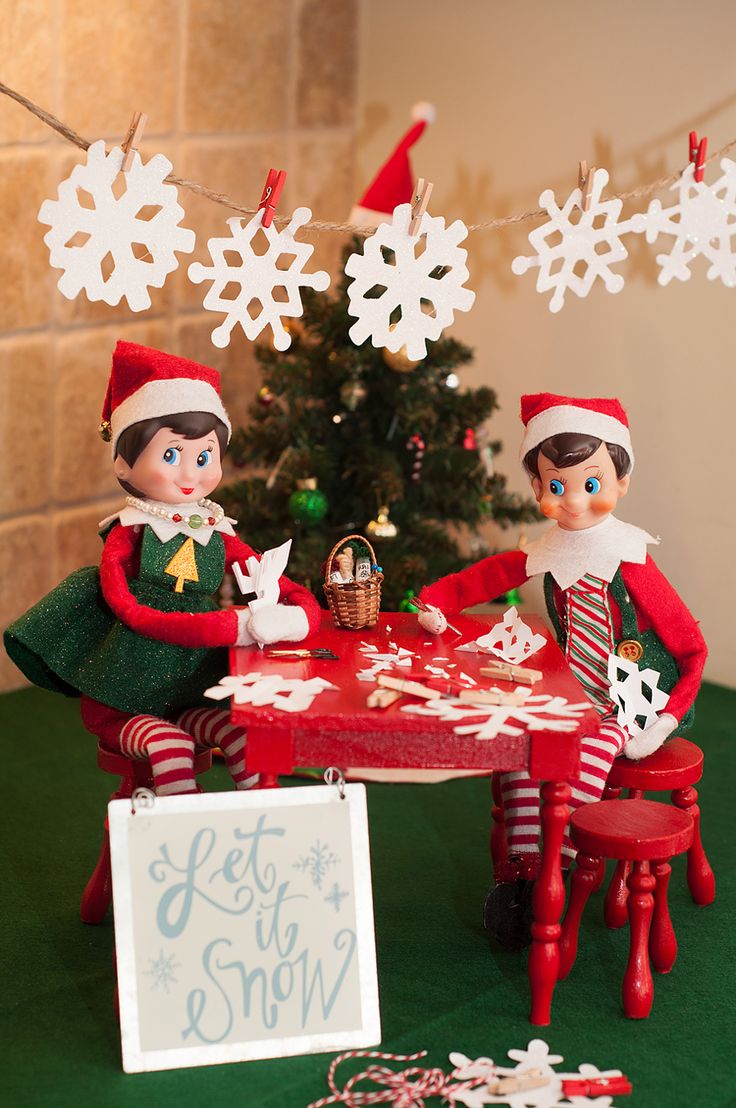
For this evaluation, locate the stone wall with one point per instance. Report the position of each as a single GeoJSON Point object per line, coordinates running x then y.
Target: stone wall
{"type": "Point", "coordinates": [230, 87]}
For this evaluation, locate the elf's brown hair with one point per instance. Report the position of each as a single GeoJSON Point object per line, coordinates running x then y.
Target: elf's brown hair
{"type": "Point", "coordinates": [570, 449]}
{"type": "Point", "coordinates": [190, 425]}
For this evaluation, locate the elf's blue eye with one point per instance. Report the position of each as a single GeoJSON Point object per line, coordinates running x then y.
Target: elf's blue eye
{"type": "Point", "coordinates": [592, 485]}
{"type": "Point", "coordinates": [204, 458]}
{"type": "Point", "coordinates": [556, 488]}
{"type": "Point", "coordinates": [172, 457]}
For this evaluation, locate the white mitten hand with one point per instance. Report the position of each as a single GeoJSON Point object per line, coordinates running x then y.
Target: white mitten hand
{"type": "Point", "coordinates": [279, 621]}
{"type": "Point", "coordinates": [640, 746]}
{"type": "Point", "coordinates": [244, 636]}
{"type": "Point", "coordinates": [432, 620]}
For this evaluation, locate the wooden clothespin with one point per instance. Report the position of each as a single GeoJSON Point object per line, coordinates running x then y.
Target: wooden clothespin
{"type": "Point", "coordinates": [491, 696]}
{"type": "Point", "coordinates": [585, 184]}
{"type": "Point", "coordinates": [132, 139]}
{"type": "Point", "coordinates": [503, 671]}
{"type": "Point", "coordinates": [517, 1083]}
{"type": "Point", "coordinates": [271, 193]}
{"type": "Point", "coordinates": [382, 698]}
{"type": "Point", "coordinates": [697, 154]}
{"type": "Point", "coordinates": [419, 203]}
{"type": "Point", "coordinates": [408, 688]}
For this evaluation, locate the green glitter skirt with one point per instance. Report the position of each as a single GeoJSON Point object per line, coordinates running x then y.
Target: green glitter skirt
{"type": "Point", "coordinates": [70, 642]}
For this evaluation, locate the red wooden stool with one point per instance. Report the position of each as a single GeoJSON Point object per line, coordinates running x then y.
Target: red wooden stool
{"type": "Point", "coordinates": [676, 766]}
{"type": "Point", "coordinates": [640, 832]}
{"type": "Point", "coordinates": [135, 774]}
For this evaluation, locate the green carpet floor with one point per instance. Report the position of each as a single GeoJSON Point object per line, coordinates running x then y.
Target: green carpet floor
{"type": "Point", "coordinates": [442, 987]}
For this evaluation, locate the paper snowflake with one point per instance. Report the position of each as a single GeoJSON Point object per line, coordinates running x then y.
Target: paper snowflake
{"type": "Point", "coordinates": [381, 662]}
{"type": "Point", "coordinates": [636, 694]}
{"type": "Point", "coordinates": [288, 694]}
{"type": "Point", "coordinates": [512, 640]}
{"type": "Point", "coordinates": [112, 246]}
{"type": "Point", "coordinates": [702, 223]}
{"type": "Point", "coordinates": [252, 288]}
{"type": "Point", "coordinates": [419, 277]}
{"type": "Point", "coordinates": [574, 247]}
{"type": "Point", "coordinates": [538, 713]}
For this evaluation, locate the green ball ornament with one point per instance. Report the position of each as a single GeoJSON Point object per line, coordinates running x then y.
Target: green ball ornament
{"type": "Point", "coordinates": [308, 504]}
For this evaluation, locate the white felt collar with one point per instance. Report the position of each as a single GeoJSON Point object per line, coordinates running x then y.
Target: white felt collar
{"type": "Point", "coordinates": [599, 550]}
{"type": "Point", "coordinates": [165, 529]}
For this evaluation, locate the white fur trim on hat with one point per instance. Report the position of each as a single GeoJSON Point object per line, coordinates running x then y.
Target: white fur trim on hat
{"type": "Point", "coordinates": [566, 419]}
{"type": "Point", "coordinates": [169, 396]}
{"type": "Point", "coordinates": [424, 110]}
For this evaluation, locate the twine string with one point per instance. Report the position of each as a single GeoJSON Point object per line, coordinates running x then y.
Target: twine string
{"type": "Point", "coordinates": [322, 225]}
{"type": "Point", "coordinates": [405, 1088]}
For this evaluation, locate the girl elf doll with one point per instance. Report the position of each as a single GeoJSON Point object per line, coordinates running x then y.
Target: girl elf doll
{"type": "Point", "coordinates": [604, 593]}
{"type": "Point", "coordinates": [141, 638]}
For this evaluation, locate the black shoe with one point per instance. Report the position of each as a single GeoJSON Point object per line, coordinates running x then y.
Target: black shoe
{"type": "Point", "coordinates": [507, 913]}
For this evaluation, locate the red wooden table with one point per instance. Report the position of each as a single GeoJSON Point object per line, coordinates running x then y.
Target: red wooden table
{"type": "Point", "coordinates": [340, 730]}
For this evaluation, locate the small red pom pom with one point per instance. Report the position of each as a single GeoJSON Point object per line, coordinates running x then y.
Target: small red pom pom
{"type": "Point", "coordinates": [177, 518]}
{"type": "Point", "coordinates": [212, 521]}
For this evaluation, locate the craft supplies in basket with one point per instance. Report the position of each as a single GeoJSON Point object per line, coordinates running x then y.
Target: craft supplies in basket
{"type": "Point", "coordinates": [353, 599]}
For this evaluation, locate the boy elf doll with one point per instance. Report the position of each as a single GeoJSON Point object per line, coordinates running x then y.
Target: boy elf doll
{"type": "Point", "coordinates": [141, 638]}
{"type": "Point", "coordinates": [603, 592]}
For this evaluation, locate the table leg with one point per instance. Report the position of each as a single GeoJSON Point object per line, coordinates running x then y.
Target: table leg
{"type": "Point", "coordinates": [548, 900]}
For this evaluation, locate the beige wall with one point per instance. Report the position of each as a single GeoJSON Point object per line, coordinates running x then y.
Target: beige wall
{"type": "Point", "coordinates": [524, 91]}
{"type": "Point", "coordinates": [231, 87]}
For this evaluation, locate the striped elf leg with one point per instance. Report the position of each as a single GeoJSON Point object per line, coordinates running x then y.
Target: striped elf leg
{"type": "Point", "coordinates": [520, 799]}
{"type": "Point", "coordinates": [211, 727]}
{"type": "Point", "coordinates": [596, 758]}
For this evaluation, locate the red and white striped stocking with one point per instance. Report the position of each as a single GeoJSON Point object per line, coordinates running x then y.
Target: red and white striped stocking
{"type": "Point", "coordinates": [211, 727]}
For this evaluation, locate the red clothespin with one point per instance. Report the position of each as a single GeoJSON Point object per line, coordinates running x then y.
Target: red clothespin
{"type": "Point", "coordinates": [419, 203]}
{"type": "Point", "coordinates": [133, 138]}
{"type": "Point", "coordinates": [271, 193]}
{"type": "Point", "coordinates": [697, 154]}
{"type": "Point", "coordinates": [596, 1086]}
{"type": "Point", "coordinates": [585, 184]}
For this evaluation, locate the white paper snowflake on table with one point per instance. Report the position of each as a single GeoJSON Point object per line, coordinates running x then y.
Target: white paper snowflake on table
{"type": "Point", "coordinates": [539, 712]}
{"type": "Point", "coordinates": [512, 640]}
{"type": "Point", "coordinates": [112, 246]}
{"type": "Point", "coordinates": [636, 694]}
{"type": "Point", "coordinates": [574, 247]}
{"type": "Point", "coordinates": [288, 694]}
{"type": "Point", "coordinates": [402, 266]}
{"type": "Point", "coordinates": [245, 282]}
{"type": "Point", "coordinates": [702, 223]}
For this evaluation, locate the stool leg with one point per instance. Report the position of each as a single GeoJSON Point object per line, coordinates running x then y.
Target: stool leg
{"type": "Point", "coordinates": [662, 941]}
{"type": "Point", "coordinates": [98, 890]}
{"type": "Point", "coordinates": [700, 879]}
{"type": "Point", "coordinates": [614, 908]}
{"type": "Point", "coordinates": [499, 848]}
{"type": "Point", "coordinates": [583, 880]}
{"type": "Point", "coordinates": [600, 874]}
{"type": "Point", "coordinates": [638, 988]}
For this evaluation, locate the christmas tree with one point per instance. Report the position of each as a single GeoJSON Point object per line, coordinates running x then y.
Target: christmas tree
{"type": "Point", "coordinates": [397, 449]}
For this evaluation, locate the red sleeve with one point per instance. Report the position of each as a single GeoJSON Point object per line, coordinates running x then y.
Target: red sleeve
{"type": "Point", "coordinates": [479, 583]}
{"type": "Point", "coordinates": [659, 606]}
{"type": "Point", "coordinates": [192, 629]}
{"type": "Point", "coordinates": [290, 593]}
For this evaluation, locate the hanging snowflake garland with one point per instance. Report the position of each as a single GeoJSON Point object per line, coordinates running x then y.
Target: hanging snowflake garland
{"type": "Point", "coordinates": [575, 247]}
{"type": "Point", "coordinates": [245, 283]}
{"type": "Point", "coordinates": [702, 223]}
{"type": "Point", "coordinates": [419, 276]}
{"type": "Point", "coordinates": [136, 236]}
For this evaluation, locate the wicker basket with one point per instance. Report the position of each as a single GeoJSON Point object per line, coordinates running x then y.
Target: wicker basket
{"type": "Point", "coordinates": [354, 604]}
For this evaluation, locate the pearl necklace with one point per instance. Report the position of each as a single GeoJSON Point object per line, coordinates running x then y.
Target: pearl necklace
{"type": "Point", "coordinates": [195, 521]}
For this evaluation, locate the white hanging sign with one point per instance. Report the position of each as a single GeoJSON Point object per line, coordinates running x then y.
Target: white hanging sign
{"type": "Point", "coordinates": [243, 926]}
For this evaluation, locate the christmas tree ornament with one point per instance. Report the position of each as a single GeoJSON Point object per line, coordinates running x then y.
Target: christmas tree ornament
{"type": "Point", "coordinates": [265, 396]}
{"type": "Point", "coordinates": [574, 247]}
{"type": "Point", "coordinates": [397, 266]}
{"type": "Point", "coordinates": [417, 444]}
{"type": "Point", "coordinates": [253, 291]}
{"type": "Point", "coordinates": [382, 527]}
{"type": "Point", "coordinates": [452, 381]}
{"type": "Point", "coordinates": [469, 442]}
{"type": "Point", "coordinates": [115, 247]}
{"type": "Point", "coordinates": [308, 504]}
{"type": "Point", "coordinates": [397, 360]}
{"type": "Point", "coordinates": [352, 394]}
{"type": "Point", "coordinates": [702, 223]}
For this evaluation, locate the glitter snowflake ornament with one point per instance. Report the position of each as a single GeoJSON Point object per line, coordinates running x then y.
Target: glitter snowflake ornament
{"type": "Point", "coordinates": [420, 277]}
{"type": "Point", "coordinates": [574, 247]}
{"type": "Point", "coordinates": [250, 287]}
{"type": "Point", "coordinates": [702, 223]}
{"type": "Point", "coordinates": [115, 234]}
{"type": "Point", "coordinates": [636, 694]}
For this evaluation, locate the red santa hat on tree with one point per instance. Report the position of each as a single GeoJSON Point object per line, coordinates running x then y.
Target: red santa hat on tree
{"type": "Point", "coordinates": [394, 183]}
{"type": "Point", "coordinates": [145, 384]}
{"type": "Point", "coordinates": [544, 415]}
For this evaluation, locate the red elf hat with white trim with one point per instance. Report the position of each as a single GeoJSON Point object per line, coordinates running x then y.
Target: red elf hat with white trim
{"type": "Point", "coordinates": [146, 384]}
{"type": "Point", "coordinates": [544, 415]}
{"type": "Point", "coordinates": [394, 183]}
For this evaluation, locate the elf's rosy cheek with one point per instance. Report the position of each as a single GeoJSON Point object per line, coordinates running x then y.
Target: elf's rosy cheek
{"type": "Point", "coordinates": [550, 507]}
{"type": "Point", "coordinates": [602, 505]}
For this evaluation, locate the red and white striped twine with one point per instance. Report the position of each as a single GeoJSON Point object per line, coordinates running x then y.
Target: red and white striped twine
{"type": "Point", "coordinates": [405, 1089]}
